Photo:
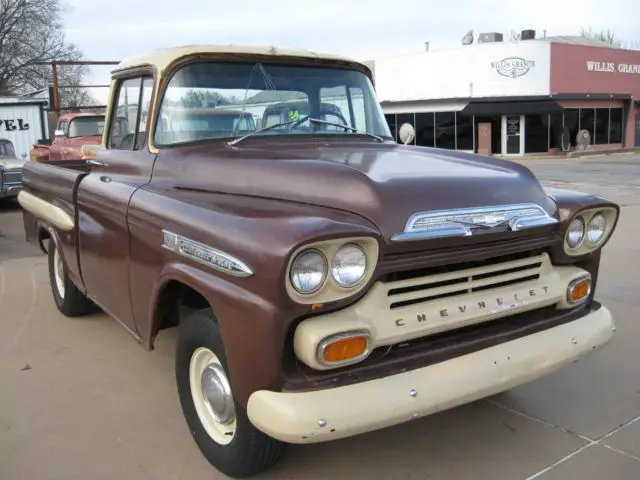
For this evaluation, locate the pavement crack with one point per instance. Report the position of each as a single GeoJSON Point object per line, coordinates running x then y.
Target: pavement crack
{"type": "Point", "coordinates": [562, 460]}
{"type": "Point", "coordinates": [621, 452]}
{"type": "Point", "coordinates": [540, 420]}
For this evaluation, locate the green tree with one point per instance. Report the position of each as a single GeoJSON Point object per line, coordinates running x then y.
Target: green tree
{"type": "Point", "coordinates": [202, 98]}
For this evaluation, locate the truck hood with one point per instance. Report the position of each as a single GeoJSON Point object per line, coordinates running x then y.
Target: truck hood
{"type": "Point", "coordinates": [385, 183]}
{"type": "Point", "coordinates": [9, 163]}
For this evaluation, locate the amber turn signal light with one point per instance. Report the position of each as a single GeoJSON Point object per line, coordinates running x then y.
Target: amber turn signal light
{"type": "Point", "coordinates": [344, 348]}
{"type": "Point", "coordinates": [578, 290]}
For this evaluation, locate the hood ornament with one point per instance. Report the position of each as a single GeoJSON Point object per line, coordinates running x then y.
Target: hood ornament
{"type": "Point", "coordinates": [473, 221]}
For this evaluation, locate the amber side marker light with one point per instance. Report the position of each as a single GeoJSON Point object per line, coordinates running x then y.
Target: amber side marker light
{"type": "Point", "coordinates": [344, 348]}
{"type": "Point", "coordinates": [578, 290]}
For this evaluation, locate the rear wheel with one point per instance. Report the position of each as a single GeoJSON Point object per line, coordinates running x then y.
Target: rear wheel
{"type": "Point", "coordinates": [68, 298]}
{"type": "Point", "coordinates": [220, 427]}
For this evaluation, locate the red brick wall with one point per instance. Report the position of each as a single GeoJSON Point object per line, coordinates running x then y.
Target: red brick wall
{"type": "Point", "coordinates": [570, 74]}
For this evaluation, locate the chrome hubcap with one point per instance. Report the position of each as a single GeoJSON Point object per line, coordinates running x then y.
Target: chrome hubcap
{"type": "Point", "coordinates": [58, 270]}
{"type": "Point", "coordinates": [212, 396]}
{"type": "Point", "coordinates": [217, 394]}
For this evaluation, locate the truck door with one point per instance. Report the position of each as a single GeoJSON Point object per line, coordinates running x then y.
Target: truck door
{"type": "Point", "coordinates": [103, 199]}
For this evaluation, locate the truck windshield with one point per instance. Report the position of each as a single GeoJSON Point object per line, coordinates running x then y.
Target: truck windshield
{"type": "Point", "coordinates": [86, 126]}
{"type": "Point", "coordinates": [209, 100]}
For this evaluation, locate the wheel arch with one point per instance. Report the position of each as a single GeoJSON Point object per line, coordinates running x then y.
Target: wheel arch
{"type": "Point", "coordinates": [174, 298]}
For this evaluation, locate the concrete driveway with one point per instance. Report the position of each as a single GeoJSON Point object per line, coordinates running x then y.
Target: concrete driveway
{"type": "Point", "coordinates": [79, 399]}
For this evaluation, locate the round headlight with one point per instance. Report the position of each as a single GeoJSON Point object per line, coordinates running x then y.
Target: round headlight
{"type": "Point", "coordinates": [308, 271]}
{"type": "Point", "coordinates": [575, 232]}
{"type": "Point", "coordinates": [596, 229]}
{"type": "Point", "coordinates": [349, 265]}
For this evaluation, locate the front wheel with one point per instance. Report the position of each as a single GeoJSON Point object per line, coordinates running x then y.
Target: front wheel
{"type": "Point", "coordinates": [220, 427]}
{"type": "Point", "coordinates": [70, 301]}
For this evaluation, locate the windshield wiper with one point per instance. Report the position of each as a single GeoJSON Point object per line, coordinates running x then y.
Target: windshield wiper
{"type": "Point", "coordinates": [355, 130]}
{"type": "Point", "coordinates": [231, 143]}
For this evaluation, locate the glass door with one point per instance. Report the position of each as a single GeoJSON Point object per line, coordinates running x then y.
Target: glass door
{"type": "Point", "coordinates": [513, 134]}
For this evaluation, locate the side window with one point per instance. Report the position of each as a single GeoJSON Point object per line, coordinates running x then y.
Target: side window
{"type": "Point", "coordinates": [62, 125]}
{"type": "Point", "coordinates": [129, 122]}
{"type": "Point", "coordinates": [145, 102]}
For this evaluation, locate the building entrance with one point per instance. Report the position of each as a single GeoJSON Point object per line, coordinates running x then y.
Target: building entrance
{"type": "Point", "coordinates": [513, 132]}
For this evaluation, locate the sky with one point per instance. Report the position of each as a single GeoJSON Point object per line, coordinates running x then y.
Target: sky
{"type": "Point", "coordinates": [362, 29]}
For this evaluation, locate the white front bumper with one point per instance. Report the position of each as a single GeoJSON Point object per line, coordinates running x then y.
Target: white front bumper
{"type": "Point", "coordinates": [363, 407]}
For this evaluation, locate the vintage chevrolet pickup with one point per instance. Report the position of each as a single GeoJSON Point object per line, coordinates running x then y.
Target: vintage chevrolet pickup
{"type": "Point", "coordinates": [324, 279]}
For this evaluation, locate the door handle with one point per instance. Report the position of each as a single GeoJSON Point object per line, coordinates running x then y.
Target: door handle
{"type": "Point", "coordinates": [95, 163]}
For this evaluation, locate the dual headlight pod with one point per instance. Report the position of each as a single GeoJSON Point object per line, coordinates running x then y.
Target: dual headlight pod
{"type": "Point", "coordinates": [330, 270]}
{"type": "Point", "coordinates": [588, 230]}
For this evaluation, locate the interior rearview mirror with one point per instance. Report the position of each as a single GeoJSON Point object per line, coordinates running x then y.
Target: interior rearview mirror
{"type": "Point", "coordinates": [407, 133]}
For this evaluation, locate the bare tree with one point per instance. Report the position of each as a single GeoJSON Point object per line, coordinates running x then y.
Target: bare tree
{"type": "Point", "coordinates": [606, 36]}
{"type": "Point", "coordinates": [31, 32]}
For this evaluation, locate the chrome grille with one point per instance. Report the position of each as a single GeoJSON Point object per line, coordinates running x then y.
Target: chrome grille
{"type": "Point", "coordinates": [494, 215]}
{"type": "Point", "coordinates": [12, 177]}
{"type": "Point", "coordinates": [414, 290]}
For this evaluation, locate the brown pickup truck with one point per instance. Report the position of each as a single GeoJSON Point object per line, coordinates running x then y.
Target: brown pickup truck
{"type": "Point", "coordinates": [324, 281]}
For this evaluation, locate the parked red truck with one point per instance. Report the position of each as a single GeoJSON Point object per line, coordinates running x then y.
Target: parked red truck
{"type": "Point", "coordinates": [326, 281]}
{"type": "Point", "coordinates": [72, 132]}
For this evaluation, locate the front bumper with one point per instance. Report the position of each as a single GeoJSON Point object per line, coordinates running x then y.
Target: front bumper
{"type": "Point", "coordinates": [323, 415]}
{"type": "Point", "coordinates": [10, 191]}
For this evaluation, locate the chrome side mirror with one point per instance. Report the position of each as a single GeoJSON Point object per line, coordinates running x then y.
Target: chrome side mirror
{"type": "Point", "coordinates": [59, 133]}
{"type": "Point", "coordinates": [407, 133]}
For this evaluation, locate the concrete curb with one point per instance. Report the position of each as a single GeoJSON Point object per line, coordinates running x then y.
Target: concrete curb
{"type": "Point", "coordinates": [575, 155]}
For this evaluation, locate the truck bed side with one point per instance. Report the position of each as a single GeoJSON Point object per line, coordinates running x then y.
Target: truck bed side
{"type": "Point", "coordinates": [49, 204]}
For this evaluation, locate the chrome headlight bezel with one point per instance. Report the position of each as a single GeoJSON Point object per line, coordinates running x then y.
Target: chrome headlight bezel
{"type": "Point", "coordinates": [331, 290]}
{"type": "Point", "coordinates": [325, 272]}
{"type": "Point", "coordinates": [610, 215]}
{"type": "Point", "coordinates": [334, 267]}
{"type": "Point", "coordinates": [579, 221]}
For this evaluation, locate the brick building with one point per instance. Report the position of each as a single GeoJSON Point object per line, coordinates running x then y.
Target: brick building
{"type": "Point", "coordinates": [515, 98]}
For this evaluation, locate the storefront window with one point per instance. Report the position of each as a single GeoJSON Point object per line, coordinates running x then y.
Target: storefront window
{"type": "Point", "coordinates": [391, 121]}
{"type": "Point", "coordinates": [446, 130]}
{"type": "Point", "coordinates": [424, 129]}
{"type": "Point", "coordinates": [601, 127]}
{"type": "Point", "coordinates": [572, 122]}
{"type": "Point", "coordinates": [555, 130]}
{"type": "Point", "coordinates": [587, 119]}
{"type": "Point", "coordinates": [616, 125]}
{"type": "Point", "coordinates": [464, 131]}
{"type": "Point", "coordinates": [537, 133]}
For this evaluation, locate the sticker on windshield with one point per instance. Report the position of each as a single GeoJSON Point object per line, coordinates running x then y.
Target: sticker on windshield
{"type": "Point", "coordinates": [294, 115]}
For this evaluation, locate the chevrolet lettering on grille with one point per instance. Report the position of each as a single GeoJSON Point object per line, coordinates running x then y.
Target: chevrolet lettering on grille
{"type": "Point", "coordinates": [490, 305]}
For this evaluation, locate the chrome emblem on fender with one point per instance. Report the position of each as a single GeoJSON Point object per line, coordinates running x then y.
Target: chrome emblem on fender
{"type": "Point", "coordinates": [205, 254]}
{"type": "Point", "coordinates": [473, 221]}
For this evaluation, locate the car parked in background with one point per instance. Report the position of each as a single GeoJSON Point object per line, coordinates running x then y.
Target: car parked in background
{"type": "Point", "coordinates": [10, 170]}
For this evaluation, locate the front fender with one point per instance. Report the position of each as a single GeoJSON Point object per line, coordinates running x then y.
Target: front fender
{"type": "Point", "coordinates": [252, 337]}
{"type": "Point", "coordinates": [569, 203]}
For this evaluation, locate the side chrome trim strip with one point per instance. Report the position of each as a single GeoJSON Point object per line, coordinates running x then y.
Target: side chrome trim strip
{"type": "Point", "coordinates": [46, 211]}
{"type": "Point", "coordinates": [205, 255]}
{"type": "Point", "coordinates": [472, 221]}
